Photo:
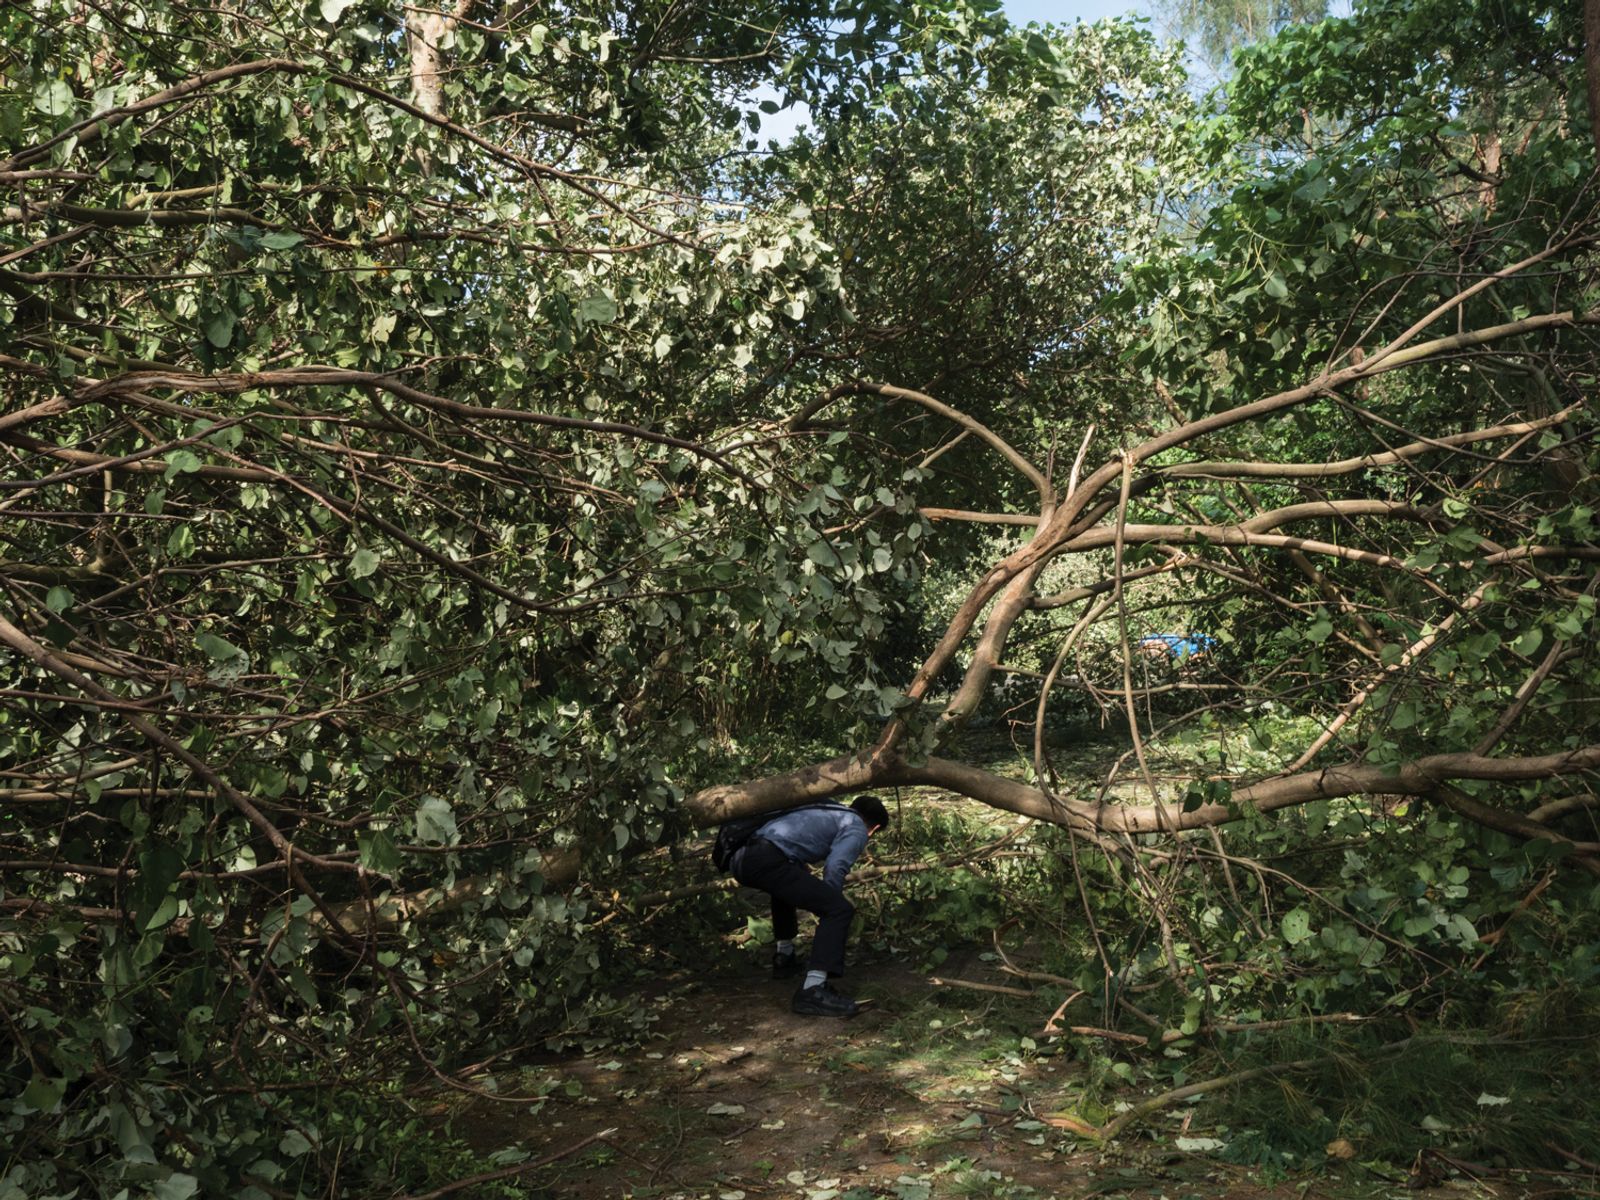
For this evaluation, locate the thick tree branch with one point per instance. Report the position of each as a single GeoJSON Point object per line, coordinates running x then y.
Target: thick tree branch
{"type": "Point", "coordinates": [978, 518]}
{"type": "Point", "coordinates": [1419, 777]}
{"type": "Point", "coordinates": [1348, 466]}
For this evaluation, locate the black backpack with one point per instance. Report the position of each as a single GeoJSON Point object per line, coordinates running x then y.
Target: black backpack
{"type": "Point", "coordinates": [733, 835]}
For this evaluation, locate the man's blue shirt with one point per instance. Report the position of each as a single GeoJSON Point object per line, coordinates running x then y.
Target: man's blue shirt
{"type": "Point", "coordinates": [832, 834]}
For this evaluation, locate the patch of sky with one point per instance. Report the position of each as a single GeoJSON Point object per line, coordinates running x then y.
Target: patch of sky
{"type": "Point", "coordinates": [782, 125]}
{"type": "Point", "coordinates": [1065, 12]}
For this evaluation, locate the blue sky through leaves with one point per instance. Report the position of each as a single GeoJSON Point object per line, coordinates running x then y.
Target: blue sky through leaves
{"type": "Point", "coordinates": [1064, 12]}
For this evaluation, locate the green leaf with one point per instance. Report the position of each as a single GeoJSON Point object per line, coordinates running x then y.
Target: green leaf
{"type": "Point", "coordinates": [822, 554]}
{"type": "Point", "coordinates": [379, 854]}
{"type": "Point", "coordinates": [281, 240]}
{"type": "Point", "coordinates": [1276, 287]}
{"type": "Point", "coordinates": [597, 309]}
{"type": "Point", "coordinates": [42, 1095]}
{"type": "Point", "coordinates": [166, 911]}
{"type": "Point", "coordinates": [180, 542]}
{"type": "Point", "coordinates": [182, 462]}
{"type": "Point", "coordinates": [332, 10]}
{"type": "Point", "coordinates": [58, 599]}
{"type": "Point", "coordinates": [176, 1186]}
{"type": "Point", "coordinates": [53, 98]}
{"type": "Point", "coordinates": [1313, 190]}
{"type": "Point", "coordinates": [219, 330]}
{"type": "Point", "coordinates": [154, 902]}
{"type": "Point", "coordinates": [436, 821]}
{"type": "Point", "coordinates": [219, 649]}
{"type": "Point", "coordinates": [1296, 926]}
{"type": "Point", "coordinates": [363, 563]}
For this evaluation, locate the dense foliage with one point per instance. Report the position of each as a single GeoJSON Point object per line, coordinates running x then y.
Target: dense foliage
{"type": "Point", "coordinates": [440, 446]}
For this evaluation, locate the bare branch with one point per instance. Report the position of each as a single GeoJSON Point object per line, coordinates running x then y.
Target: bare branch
{"type": "Point", "coordinates": [954, 415]}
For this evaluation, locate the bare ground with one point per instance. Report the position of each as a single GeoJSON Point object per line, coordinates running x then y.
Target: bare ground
{"type": "Point", "coordinates": [735, 1098]}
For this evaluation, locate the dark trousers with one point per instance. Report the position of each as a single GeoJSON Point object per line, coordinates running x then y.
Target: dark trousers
{"type": "Point", "coordinates": [762, 865]}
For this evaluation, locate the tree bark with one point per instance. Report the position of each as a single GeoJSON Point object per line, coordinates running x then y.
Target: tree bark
{"type": "Point", "coordinates": [428, 34]}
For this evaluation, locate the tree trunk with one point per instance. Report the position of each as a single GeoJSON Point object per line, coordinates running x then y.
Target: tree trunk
{"type": "Point", "coordinates": [429, 33]}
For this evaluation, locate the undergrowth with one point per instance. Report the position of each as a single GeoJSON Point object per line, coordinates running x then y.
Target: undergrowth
{"type": "Point", "coordinates": [1496, 1095]}
{"type": "Point", "coordinates": [1484, 1063]}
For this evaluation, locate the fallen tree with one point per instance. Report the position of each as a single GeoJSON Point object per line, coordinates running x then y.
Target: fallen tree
{"type": "Point", "coordinates": [416, 504]}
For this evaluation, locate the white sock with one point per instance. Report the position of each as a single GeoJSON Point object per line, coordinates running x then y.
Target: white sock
{"type": "Point", "coordinates": [785, 945]}
{"type": "Point", "coordinates": [815, 979]}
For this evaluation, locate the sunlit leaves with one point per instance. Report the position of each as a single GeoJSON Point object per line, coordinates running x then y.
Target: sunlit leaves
{"type": "Point", "coordinates": [53, 97]}
{"type": "Point", "coordinates": [1296, 926]}
{"type": "Point", "coordinates": [436, 821]}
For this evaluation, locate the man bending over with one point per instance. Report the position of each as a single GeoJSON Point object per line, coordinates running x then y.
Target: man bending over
{"type": "Point", "coordinates": [775, 860]}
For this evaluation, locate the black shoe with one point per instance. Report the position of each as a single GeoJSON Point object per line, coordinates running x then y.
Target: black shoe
{"type": "Point", "coordinates": [823, 1001]}
{"type": "Point", "coordinates": [784, 964]}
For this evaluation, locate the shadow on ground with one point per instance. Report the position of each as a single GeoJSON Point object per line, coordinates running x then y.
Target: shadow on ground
{"type": "Point", "coordinates": [735, 1098]}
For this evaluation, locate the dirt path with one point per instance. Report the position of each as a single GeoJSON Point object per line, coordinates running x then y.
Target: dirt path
{"type": "Point", "coordinates": [739, 1095]}
{"type": "Point", "coordinates": [920, 1097]}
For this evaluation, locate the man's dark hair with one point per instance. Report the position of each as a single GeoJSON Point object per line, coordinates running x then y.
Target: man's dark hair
{"type": "Point", "coordinates": [871, 810]}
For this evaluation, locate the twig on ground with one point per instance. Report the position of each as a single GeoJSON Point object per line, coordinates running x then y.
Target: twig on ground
{"type": "Point", "coordinates": [1001, 989]}
{"type": "Point", "coordinates": [1570, 1156]}
{"type": "Point", "coordinates": [1168, 1036]}
{"type": "Point", "coordinates": [1166, 1099]}
{"type": "Point", "coordinates": [1112, 1035]}
{"type": "Point", "coordinates": [1144, 1108]}
{"type": "Point", "coordinates": [1050, 1025]}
